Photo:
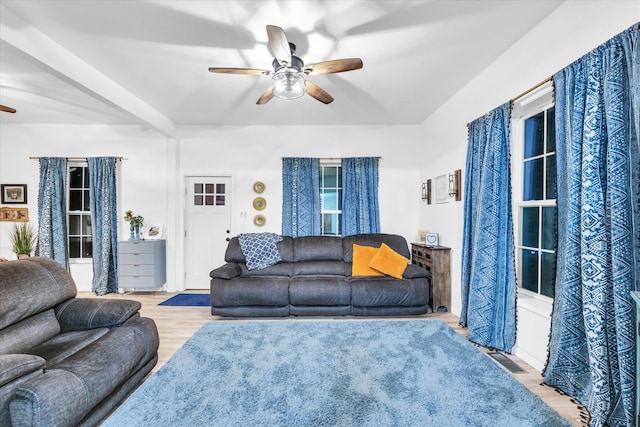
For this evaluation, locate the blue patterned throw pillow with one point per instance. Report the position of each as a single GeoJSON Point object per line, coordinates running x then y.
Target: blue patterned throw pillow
{"type": "Point", "coordinates": [259, 249]}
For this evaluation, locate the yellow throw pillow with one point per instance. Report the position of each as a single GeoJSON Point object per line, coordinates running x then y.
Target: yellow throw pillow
{"type": "Point", "coordinates": [362, 256]}
{"type": "Point", "coordinates": [389, 262]}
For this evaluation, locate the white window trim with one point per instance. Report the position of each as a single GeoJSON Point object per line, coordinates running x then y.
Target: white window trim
{"type": "Point", "coordinates": [529, 105]}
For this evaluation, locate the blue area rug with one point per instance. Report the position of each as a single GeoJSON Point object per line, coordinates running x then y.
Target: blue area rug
{"type": "Point", "coordinates": [331, 373]}
{"type": "Point", "coordinates": [196, 300]}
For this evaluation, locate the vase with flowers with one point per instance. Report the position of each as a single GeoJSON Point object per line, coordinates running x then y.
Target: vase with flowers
{"type": "Point", "coordinates": [135, 221]}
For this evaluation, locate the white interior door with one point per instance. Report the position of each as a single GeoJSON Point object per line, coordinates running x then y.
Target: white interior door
{"type": "Point", "coordinates": [207, 227]}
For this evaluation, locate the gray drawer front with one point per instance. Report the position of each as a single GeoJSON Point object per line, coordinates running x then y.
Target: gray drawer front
{"type": "Point", "coordinates": [135, 269]}
{"type": "Point", "coordinates": [137, 282]}
{"type": "Point", "coordinates": [124, 258]}
{"type": "Point", "coordinates": [136, 248]}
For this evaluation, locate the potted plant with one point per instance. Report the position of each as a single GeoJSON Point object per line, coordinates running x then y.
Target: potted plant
{"type": "Point", "coordinates": [135, 221]}
{"type": "Point", "coordinates": [23, 238]}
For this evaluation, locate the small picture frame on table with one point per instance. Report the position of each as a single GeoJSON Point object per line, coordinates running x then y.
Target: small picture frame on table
{"type": "Point", "coordinates": [13, 194]}
{"type": "Point", "coordinates": [422, 235]}
{"type": "Point", "coordinates": [154, 232]}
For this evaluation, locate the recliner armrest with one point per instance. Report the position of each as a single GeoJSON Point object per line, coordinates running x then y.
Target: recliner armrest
{"type": "Point", "coordinates": [226, 272]}
{"type": "Point", "coordinates": [14, 366]}
{"type": "Point", "coordinates": [77, 314]}
{"type": "Point", "coordinates": [413, 272]}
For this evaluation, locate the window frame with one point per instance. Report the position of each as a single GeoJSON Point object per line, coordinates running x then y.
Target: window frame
{"type": "Point", "coordinates": [83, 213]}
{"type": "Point", "coordinates": [537, 101]}
{"type": "Point", "coordinates": [331, 163]}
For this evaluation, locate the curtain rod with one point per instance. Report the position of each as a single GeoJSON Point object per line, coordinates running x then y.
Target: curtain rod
{"type": "Point", "coordinates": [334, 158]}
{"type": "Point", "coordinates": [528, 91]}
{"type": "Point", "coordinates": [77, 158]}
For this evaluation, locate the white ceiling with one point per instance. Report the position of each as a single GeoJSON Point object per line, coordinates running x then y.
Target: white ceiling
{"type": "Point", "coordinates": [110, 61]}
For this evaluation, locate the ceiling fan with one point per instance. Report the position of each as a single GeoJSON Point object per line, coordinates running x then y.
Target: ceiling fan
{"type": "Point", "coordinates": [7, 109]}
{"type": "Point", "coordinates": [289, 72]}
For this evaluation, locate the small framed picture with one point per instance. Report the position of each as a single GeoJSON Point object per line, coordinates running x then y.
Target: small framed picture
{"type": "Point", "coordinates": [153, 232]}
{"type": "Point", "coordinates": [442, 189]}
{"type": "Point", "coordinates": [422, 235]}
{"type": "Point", "coordinates": [14, 214]}
{"type": "Point", "coordinates": [13, 193]}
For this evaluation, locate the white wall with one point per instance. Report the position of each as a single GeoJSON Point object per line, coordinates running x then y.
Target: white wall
{"type": "Point", "coordinates": [154, 168]}
{"type": "Point", "coordinates": [568, 33]}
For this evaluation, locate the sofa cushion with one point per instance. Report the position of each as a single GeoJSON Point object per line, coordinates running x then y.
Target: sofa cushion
{"type": "Point", "coordinates": [312, 268]}
{"type": "Point", "coordinates": [13, 366]}
{"type": "Point", "coordinates": [388, 291]}
{"type": "Point", "coordinates": [30, 286]}
{"type": "Point", "coordinates": [319, 290]}
{"type": "Point", "coordinates": [388, 261]}
{"type": "Point", "coordinates": [284, 269]}
{"type": "Point", "coordinates": [317, 248]}
{"type": "Point", "coordinates": [234, 252]}
{"type": "Point", "coordinates": [22, 336]}
{"type": "Point", "coordinates": [62, 346]}
{"type": "Point", "coordinates": [249, 291]}
{"type": "Point", "coordinates": [362, 256]}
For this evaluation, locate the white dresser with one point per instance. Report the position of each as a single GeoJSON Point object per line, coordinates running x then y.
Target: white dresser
{"type": "Point", "coordinates": [142, 264]}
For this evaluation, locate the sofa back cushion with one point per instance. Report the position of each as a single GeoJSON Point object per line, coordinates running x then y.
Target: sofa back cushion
{"type": "Point", "coordinates": [317, 248]}
{"type": "Point", "coordinates": [234, 252]}
{"type": "Point", "coordinates": [30, 286]}
{"type": "Point", "coordinates": [30, 332]}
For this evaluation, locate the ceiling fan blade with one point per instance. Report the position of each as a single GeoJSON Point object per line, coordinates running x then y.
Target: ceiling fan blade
{"type": "Point", "coordinates": [7, 109]}
{"type": "Point", "coordinates": [333, 66]}
{"type": "Point", "coordinates": [251, 71]}
{"type": "Point", "coordinates": [279, 44]}
{"type": "Point", "coordinates": [266, 96]}
{"type": "Point", "coordinates": [317, 92]}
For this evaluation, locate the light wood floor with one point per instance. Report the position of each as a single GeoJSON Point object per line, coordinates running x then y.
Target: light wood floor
{"type": "Point", "coordinates": [177, 324]}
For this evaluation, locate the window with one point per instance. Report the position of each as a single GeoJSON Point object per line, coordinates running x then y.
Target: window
{"type": "Point", "coordinates": [79, 212]}
{"type": "Point", "coordinates": [535, 191]}
{"type": "Point", "coordinates": [330, 198]}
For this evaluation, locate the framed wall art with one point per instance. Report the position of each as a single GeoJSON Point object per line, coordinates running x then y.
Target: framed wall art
{"type": "Point", "coordinates": [442, 189]}
{"type": "Point", "coordinates": [13, 193]}
{"type": "Point", "coordinates": [14, 214]}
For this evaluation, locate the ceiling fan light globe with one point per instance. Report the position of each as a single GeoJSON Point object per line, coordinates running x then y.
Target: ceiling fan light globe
{"type": "Point", "coordinates": [288, 84]}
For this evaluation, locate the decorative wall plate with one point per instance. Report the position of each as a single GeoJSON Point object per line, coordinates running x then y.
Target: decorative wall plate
{"type": "Point", "coordinates": [259, 203]}
{"type": "Point", "coordinates": [259, 220]}
{"type": "Point", "coordinates": [258, 187]}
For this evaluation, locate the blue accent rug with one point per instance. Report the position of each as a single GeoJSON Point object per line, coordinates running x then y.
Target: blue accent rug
{"type": "Point", "coordinates": [196, 300]}
{"type": "Point", "coordinates": [331, 373]}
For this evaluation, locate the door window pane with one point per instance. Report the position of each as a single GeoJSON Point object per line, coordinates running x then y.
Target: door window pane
{"type": "Point", "coordinates": [209, 189]}
{"type": "Point", "coordinates": [220, 200]}
{"type": "Point", "coordinates": [220, 188]}
{"type": "Point", "coordinates": [208, 200]}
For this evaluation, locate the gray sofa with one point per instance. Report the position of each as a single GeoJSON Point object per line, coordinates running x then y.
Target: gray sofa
{"type": "Point", "coordinates": [66, 361]}
{"type": "Point", "coordinates": [314, 278]}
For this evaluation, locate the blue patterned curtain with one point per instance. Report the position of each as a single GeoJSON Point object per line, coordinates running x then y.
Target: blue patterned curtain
{"type": "Point", "coordinates": [488, 258]}
{"type": "Point", "coordinates": [104, 223]}
{"type": "Point", "coordinates": [301, 197]}
{"type": "Point", "coordinates": [360, 212]}
{"type": "Point", "coordinates": [593, 333]}
{"type": "Point", "coordinates": [52, 210]}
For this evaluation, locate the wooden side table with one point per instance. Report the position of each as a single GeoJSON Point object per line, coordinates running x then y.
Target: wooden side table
{"type": "Point", "coordinates": [436, 260]}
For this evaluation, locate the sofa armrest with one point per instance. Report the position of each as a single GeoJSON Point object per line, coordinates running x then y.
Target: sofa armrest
{"type": "Point", "coordinates": [413, 272]}
{"type": "Point", "coordinates": [14, 366]}
{"type": "Point", "coordinates": [226, 272]}
{"type": "Point", "coordinates": [77, 314]}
